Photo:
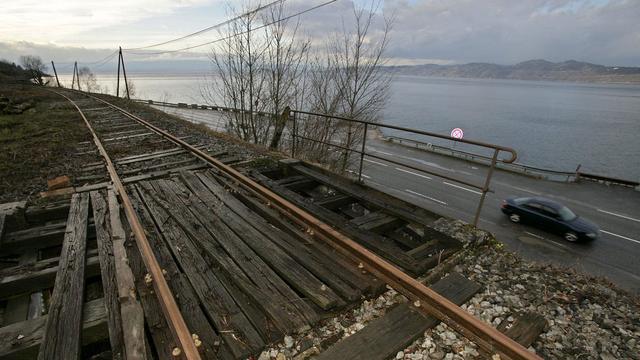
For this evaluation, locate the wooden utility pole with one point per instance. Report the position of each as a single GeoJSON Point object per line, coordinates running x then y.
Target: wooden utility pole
{"type": "Point", "coordinates": [75, 66]}
{"type": "Point", "coordinates": [73, 81]}
{"type": "Point", "coordinates": [56, 73]}
{"type": "Point", "coordinates": [118, 81]}
{"type": "Point", "coordinates": [124, 73]}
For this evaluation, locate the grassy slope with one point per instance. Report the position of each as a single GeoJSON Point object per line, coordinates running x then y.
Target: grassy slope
{"type": "Point", "coordinates": [39, 143]}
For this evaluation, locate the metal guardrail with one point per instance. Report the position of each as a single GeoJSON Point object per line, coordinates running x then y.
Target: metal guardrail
{"type": "Point", "coordinates": [537, 172]}
{"type": "Point", "coordinates": [295, 117]}
{"type": "Point", "coordinates": [533, 171]}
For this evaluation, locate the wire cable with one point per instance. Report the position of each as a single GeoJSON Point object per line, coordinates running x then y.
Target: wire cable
{"type": "Point", "coordinates": [237, 34]}
{"type": "Point", "coordinates": [259, 8]}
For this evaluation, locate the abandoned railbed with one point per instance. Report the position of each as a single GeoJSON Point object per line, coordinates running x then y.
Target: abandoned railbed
{"type": "Point", "coordinates": [242, 275]}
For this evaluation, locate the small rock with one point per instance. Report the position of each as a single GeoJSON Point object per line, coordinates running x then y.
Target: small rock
{"type": "Point", "coordinates": [288, 342]}
{"type": "Point", "coordinates": [264, 356]}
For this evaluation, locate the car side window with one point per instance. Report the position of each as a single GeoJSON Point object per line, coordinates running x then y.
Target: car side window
{"type": "Point", "coordinates": [549, 212]}
{"type": "Point", "coordinates": [533, 207]}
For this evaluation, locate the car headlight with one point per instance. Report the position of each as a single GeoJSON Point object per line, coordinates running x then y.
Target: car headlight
{"type": "Point", "coordinates": [592, 235]}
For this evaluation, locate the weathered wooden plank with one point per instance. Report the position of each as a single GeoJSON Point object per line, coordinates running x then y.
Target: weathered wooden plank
{"type": "Point", "coordinates": [334, 202]}
{"type": "Point", "coordinates": [382, 338]}
{"type": "Point", "coordinates": [172, 164]}
{"type": "Point", "coordinates": [28, 306]}
{"type": "Point", "coordinates": [148, 156]}
{"type": "Point", "coordinates": [375, 242]}
{"type": "Point", "coordinates": [108, 274]}
{"type": "Point", "coordinates": [22, 340]}
{"type": "Point", "coordinates": [38, 237]}
{"type": "Point", "coordinates": [181, 232]}
{"type": "Point", "coordinates": [38, 276]}
{"type": "Point", "coordinates": [3, 218]}
{"type": "Point", "coordinates": [64, 320]}
{"type": "Point", "coordinates": [289, 269]}
{"type": "Point", "coordinates": [392, 205]}
{"type": "Point", "coordinates": [186, 294]}
{"type": "Point", "coordinates": [377, 221]}
{"type": "Point", "coordinates": [47, 213]}
{"type": "Point", "coordinates": [333, 259]}
{"type": "Point", "coordinates": [526, 328]}
{"type": "Point", "coordinates": [131, 311]}
{"type": "Point", "coordinates": [326, 271]}
{"type": "Point", "coordinates": [301, 185]}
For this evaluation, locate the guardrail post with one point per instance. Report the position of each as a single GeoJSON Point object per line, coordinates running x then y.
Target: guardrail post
{"type": "Point", "coordinates": [364, 141]}
{"type": "Point", "coordinates": [485, 188]}
{"type": "Point", "coordinates": [293, 136]}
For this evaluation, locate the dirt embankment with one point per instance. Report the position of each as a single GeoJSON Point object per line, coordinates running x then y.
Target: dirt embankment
{"type": "Point", "coordinates": [39, 134]}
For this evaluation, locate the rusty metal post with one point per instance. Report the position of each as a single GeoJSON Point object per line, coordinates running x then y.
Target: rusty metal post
{"type": "Point", "coordinates": [118, 81]}
{"type": "Point", "coordinates": [485, 188]}
{"type": "Point", "coordinates": [364, 141]}
{"type": "Point", "coordinates": [55, 72]}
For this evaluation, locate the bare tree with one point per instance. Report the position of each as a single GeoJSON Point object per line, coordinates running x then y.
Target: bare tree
{"type": "Point", "coordinates": [87, 79]}
{"type": "Point", "coordinates": [37, 68]}
{"type": "Point", "coordinates": [240, 80]}
{"type": "Point", "coordinates": [286, 60]}
{"type": "Point", "coordinates": [350, 81]}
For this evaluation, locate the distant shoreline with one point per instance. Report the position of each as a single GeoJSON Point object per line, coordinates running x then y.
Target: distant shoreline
{"type": "Point", "coordinates": [532, 70]}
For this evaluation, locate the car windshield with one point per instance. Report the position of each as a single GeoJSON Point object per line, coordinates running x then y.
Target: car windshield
{"type": "Point", "coordinates": [566, 214]}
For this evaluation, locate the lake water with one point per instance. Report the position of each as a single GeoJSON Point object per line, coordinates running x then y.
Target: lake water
{"type": "Point", "coordinates": [554, 125]}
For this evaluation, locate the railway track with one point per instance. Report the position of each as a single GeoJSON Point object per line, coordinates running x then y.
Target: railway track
{"type": "Point", "coordinates": [218, 261]}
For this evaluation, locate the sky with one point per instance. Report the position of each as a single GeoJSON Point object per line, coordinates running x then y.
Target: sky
{"type": "Point", "coordinates": [425, 31]}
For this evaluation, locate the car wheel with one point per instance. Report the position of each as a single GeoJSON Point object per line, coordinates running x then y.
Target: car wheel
{"type": "Point", "coordinates": [571, 236]}
{"type": "Point", "coordinates": [514, 218]}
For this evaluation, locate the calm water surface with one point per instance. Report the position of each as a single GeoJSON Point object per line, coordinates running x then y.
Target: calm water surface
{"type": "Point", "coordinates": [551, 124]}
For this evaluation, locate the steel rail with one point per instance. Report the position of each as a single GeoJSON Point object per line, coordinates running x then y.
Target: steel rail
{"type": "Point", "coordinates": [165, 297]}
{"type": "Point", "coordinates": [425, 299]}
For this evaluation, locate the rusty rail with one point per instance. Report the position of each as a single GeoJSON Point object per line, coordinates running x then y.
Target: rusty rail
{"type": "Point", "coordinates": [168, 303]}
{"type": "Point", "coordinates": [425, 299]}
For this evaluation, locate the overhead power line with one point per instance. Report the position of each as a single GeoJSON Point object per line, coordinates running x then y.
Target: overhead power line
{"type": "Point", "coordinates": [259, 8]}
{"type": "Point", "coordinates": [237, 34]}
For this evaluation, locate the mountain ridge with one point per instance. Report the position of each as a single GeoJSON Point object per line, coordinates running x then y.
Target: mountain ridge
{"type": "Point", "coordinates": [536, 69]}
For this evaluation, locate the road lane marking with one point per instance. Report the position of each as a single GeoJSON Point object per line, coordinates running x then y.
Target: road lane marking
{"type": "Point", "coordinates": [384, 153]}
{"type": "Point", "coordinates": [425, 196]}
{"type": "Point", "coordinates": [618, 215]}
{"type": "Point", "coordinates": [462, 187]}
{"type": "Point", "coordinates": [362, 174]}
{"type": "Point", "coordinates": [534, 235]}
{"type": "Point", "coordinates": [620, 236]}
{"type": "Point", "coordinates": [413, 173]}
{"type": "Point", "coordinates": [526, 190]}
{"type": "Point", "coordinates": [376, 162]}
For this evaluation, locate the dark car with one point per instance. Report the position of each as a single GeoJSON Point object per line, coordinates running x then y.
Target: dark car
{"type": "Point", "coordinates": [550, 216]}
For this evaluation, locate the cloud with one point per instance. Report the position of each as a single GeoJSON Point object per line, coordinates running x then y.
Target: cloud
{"type": "Point", "coordinates": [57, 21]}
{"type": "Point", "coordinates": [439, 31]}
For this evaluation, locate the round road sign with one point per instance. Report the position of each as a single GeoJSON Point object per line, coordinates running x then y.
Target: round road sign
{"type": "Point", "coordinates": [457, 133]}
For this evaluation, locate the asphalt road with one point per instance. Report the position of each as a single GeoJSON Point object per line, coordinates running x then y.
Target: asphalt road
{"type": "Point", "coordinates": [616, 209]}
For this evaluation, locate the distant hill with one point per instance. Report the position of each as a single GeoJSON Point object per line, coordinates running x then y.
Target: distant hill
{"type": "Point", "coordinates": [12, 72]}
{"type": "Point", "coordinates": [528, 70]}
